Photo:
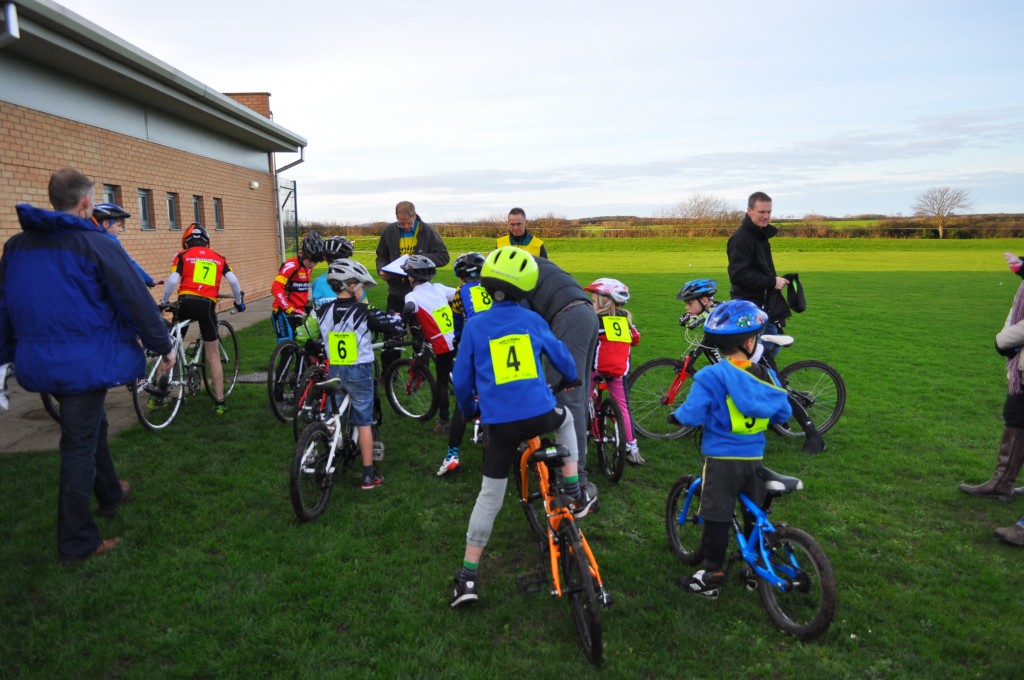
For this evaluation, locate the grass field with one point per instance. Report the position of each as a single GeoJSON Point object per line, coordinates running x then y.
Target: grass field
{"type": "Point", "coordinates": [216, 579]}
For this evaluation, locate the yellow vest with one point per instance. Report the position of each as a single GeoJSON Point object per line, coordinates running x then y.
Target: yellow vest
{"type": "Point", "coordinates": [533, 247]}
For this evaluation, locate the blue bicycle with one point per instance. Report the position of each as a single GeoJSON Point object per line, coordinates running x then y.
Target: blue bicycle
{"type": "Point", "coordinates": [786, 566]}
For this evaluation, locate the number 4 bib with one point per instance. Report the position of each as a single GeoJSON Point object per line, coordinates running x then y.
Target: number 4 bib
{"type": "Point", "coordinates": [512, 359]}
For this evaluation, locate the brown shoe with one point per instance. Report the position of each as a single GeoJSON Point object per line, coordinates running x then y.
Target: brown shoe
{"type": "Point", "coordinates": [1013, 535]}
{"type": "Point", "coordinates": [104, 547]}
{"type": "Point", "coordinates": [111, 511]}
{"type": "Point", "coordinates": [441, 427]}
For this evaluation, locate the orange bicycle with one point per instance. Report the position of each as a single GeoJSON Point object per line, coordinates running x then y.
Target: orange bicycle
{"type": "Point", "coordinates": [565, 556]}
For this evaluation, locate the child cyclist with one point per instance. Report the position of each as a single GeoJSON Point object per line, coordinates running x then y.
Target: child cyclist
{"type": "Point", "coordinates": [616, 335]}
{"type": "Point", "coordinates": [428, 305]}
{"type": "Point", "coordinates": [471, 299]}
{"type": "Point", "coordinates": [290, 288]}
{"type": "Point", "coordinates": [699, 297]}
{"type": "Point", "coordinates": [335, 248]}
{"type": "Point", "coordinates": [734, 401]}
{"type": "Point", "coordinates": [500, 364]}
{"type": "Point", "coordinates": [346, 326]}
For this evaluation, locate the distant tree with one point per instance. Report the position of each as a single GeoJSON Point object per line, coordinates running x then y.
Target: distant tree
{"type": "Point", "coordinates": [941, 203]}
{"type": "Point", "coordinates": [705, 207]}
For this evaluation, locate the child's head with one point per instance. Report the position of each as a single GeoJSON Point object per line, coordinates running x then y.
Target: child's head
{"type": "Point", "coordinates": [608, 294]}
{"type": "Point", "coordinates": [337, 247]}
{"type": "Point", "coordinates": [311, 250]}
{"type": "Point", "coordinates": [347, 278]}
{"type": "Point", "coordinates": [419, 269]}
{"type": "Point", "coordinates": [509, 273]}
{"type": "Point", "coordinates": [698, 295]}
{"type": "Point", "coordinates": [468, 266]}
{"type": "Point", "coordinates": [734, 326]}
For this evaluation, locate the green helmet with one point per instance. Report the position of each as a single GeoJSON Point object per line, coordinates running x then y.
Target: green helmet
{"type": "Point", "coordinates": [510, 270]}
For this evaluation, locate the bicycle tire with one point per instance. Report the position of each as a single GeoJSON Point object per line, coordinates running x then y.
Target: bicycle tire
{"type": "Point", "coordinates": [51, 404]}
{"type": "Point", "coordinates": [819, 389]}
{"type": "Point", "coordinates": [581, 589]}
{"type": "Point", "coordinates": [611, 441]}
{"type": "Point", "coordinates": [685, 529]}
{"type": "Point", "coordinates": [411, 388]}
{"type": "Point", "coordinates": [310, 482]}
{"type": "Point", "coordinates": [162, 411]}
{"type": "Point", "coordinates": [308, 402]}
{"type": "Point", "coordinates": [283, 373]}
{"type": "Point", "coordinates": [648, 385]}
{"type": "Point", "coordinates": [227, 350]}
{"type": "Point", "coordinates": [805, 609]}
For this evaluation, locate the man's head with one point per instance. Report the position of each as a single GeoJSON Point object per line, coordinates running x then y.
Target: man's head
{"type": "Point", "coordinates": [405, 213]}
{"type": "Point", "coordinates": [71, 192]}
{"type": "Point", "coordinates": [517, 222]}
{"type": "Point", "coordinates": [759, 208]}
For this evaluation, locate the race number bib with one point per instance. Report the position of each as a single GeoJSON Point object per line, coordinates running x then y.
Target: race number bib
{"type": "Point", "coordinates": [512, 359]}
{"type": "Point", "coordinates": [742, 424]}
{"type": "Point", "coordinates": [444, 318]}
{"type": "Point", "coordinates": [616, 329]}
{"type": "Point", "coordinates": [342, 348]}
{"type": "Point", "coordinates": [481, 298]}
{"type": "Point", "coordinates": [204, 272]}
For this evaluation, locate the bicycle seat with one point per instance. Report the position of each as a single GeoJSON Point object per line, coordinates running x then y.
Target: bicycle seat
{"type": "Point", "coordinates": [778, 484]}
{"type": "Point", "coordinates": [552, 455]}
{"type": "Point", "coordinates": [330, 386]}
{"type": "Point", "coordinates": [780, 340]}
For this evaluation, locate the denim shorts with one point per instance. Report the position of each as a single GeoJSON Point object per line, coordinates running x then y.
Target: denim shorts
{"type": "Point", "coordinates": [357, 381]}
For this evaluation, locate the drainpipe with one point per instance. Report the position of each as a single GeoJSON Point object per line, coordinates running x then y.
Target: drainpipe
{"type": "Point", "coordinates": [11, 32]}
{"type": "Point", "coordinates": [302, 157]}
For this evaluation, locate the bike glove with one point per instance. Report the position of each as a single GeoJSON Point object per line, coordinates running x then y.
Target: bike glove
{"type": "Point", "coordinates": [240, 306]}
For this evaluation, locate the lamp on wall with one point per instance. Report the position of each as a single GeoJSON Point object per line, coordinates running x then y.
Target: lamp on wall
{"type": "Point", "coordinates": [254, 184]}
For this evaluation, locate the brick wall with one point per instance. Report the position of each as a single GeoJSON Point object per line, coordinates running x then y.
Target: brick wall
{"type": "Point", "coordinates": [34, 144]}
{"type": "Point", "coordinates": [257, 101]}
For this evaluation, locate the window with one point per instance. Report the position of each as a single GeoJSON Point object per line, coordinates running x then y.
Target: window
{"type": "Point", "coordinates": [110, 194]}
{"type": "Point", "coordinates": [218, 214]}
{"type": "Point", "coordinates": [146, 209]}
{"type": "Point", "coordinates": [173, 214]}
{"type": "Point", "coordinates": [197, 209]}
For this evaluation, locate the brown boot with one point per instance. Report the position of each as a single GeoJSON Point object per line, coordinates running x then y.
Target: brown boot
{"type": "Point", "coordinates": [1008, 464]}
{"type": "Point", "coordinates": [1013, 535]}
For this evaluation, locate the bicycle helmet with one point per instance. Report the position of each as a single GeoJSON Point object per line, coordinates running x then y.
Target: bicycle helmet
{"type": "Point", "coordinates": [697, 288]}
{"type": "Point", "coordinates": [731, 323]}
{"type": "Point", "coordinates": [109, 211]}
{"type": "Point", "coordinates": [509, 271]}
{"type": "Point", "coordinates": [312, 247]}
{"type": "Point", "coordinates": [338, 247]}
{"type": "Point", "coordinates": [343, 271]}
{"type": "Point", "coordinates": [613, 288]}
{"type": "Point", "coordinates": [195, 235]}
{"type": "Point", "coordinates": [468, 265]}
{"type": "Point", "coordinates": [420, 267]}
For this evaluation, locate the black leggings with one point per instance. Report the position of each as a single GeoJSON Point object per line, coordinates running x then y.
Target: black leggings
{"type": "Point", "coordinates": [443, 365]}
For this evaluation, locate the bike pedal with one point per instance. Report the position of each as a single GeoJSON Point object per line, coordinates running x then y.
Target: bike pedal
{"type": "Point", "coordinates": [531, 582]}
{"type": "Point", "coordinates": [606, 598]}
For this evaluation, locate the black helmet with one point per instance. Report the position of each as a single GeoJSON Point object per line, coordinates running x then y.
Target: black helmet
{"type": "Point", "coordinates": [109, 211]}
{"type": "Point", "coordinates": [312, 247]}
{"type": "Point", "coordinates": [195, 235]}
{"type": "Point", "coordinates": [420, 267]}
{"type": "Point", "coordinates": [468, 265]}
{"type": "Point", "coordinates": [338, 247]}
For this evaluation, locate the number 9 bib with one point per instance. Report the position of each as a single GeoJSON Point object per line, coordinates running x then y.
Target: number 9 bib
{"type": "Point", "coordinates": [616, 329]}
{"type": "Point", "coordinates": [512, 359]}
{"type": "Point", "coordinates": [342, 348]}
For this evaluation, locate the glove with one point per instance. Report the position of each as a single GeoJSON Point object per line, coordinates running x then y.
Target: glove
{"type": "Point", "coordinates": [6, 371]}
{"type": "Point", "coordinates": [1008, 353]}
{"type": "Point", "coordinates": [240, 306]}
{"type": "Point", "coordinates": [297, 316]}
{"type": "Point", "coordinates": [672, 420]}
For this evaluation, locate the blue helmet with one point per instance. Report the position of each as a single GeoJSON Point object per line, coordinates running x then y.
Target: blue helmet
{"type": "Point", "coordinates": [697, 288]}
{"type": "Point", "coordinates": [731, 323]}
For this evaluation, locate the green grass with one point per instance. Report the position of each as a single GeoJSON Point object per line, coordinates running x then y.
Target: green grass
{"type": "Point", "coordinates": [215, 578]}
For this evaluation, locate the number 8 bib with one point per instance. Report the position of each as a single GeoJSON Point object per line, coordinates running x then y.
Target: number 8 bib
{"type": "Point", "coordinates": [512, 359]}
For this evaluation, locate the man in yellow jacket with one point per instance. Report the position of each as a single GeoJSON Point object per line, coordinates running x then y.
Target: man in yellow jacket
{"type": "Point", "coordinates": [519, 237]}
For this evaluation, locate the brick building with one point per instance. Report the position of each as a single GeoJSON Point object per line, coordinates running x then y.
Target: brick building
{"type": "Point", "coordinates": [164, 146]}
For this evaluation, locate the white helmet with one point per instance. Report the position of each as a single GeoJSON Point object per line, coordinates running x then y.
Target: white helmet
{"type": "Point", "coordinates": [613, 288]}
{"type": "Point", "coordinates": [345, 270]}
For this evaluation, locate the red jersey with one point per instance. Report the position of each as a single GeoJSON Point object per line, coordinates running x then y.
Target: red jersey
{"type": "Point", "coordinates": [615, 337]}
{"type": "Point", "coordinates": [201, 271]}
{"type": "Point", "coordinates": [291, 287]}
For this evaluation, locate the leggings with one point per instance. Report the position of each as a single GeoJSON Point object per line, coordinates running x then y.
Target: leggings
{"type": "Point", "coordinates": [617, 388]}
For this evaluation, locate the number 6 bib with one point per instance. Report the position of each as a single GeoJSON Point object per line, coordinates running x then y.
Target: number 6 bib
{"type": "Point", "coordinates": [342, 349]}
{"type": "Point", "coordinates": [512, 359]}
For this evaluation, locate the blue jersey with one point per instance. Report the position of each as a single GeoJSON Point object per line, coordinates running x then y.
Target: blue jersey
{"type": "Point", "coordinates": [321, 292]}
{"type": "Point", "coordinates": [471, 299]}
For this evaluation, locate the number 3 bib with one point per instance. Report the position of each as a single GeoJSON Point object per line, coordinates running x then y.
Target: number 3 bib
{"type": "Point", "coordinates": [512, 359]}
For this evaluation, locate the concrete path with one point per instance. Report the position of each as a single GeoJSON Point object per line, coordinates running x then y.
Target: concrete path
{"type": "Point", "coordinates": [27, 426]}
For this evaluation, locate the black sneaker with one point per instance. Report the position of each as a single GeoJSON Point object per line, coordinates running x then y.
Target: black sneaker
{"type": "Point", "coordinates": [464, 594]}
{"type": "Point", "coordinates": [706, 583]}
{"type": "Point", "coordinates": [581, 507]}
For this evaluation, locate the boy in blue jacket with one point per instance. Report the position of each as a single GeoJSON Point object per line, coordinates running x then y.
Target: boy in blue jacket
{"type": "Point", "coordinates": [734, 401]}
{"type": "Point", "coordinates": [499, 362]}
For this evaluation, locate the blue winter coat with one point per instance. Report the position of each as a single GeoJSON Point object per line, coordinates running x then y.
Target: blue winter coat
{"type": "Point", "coordinates": [72, 307]}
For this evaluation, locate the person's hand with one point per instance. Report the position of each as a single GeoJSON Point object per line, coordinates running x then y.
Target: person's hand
{"type": "Point", "coordinates": [386, 276]}
{"type": "Point", "coordinates": [297, 316]}
{"type": "Point", "coordinates": [6, 371]}
{"type": "Point", "coordinates": [240, 306]}
{"type": "Point", "coordinates": [167, 361]}
{"type": "Point", "coordinates": [1013, 261]}
{"type": "Point", "coordinates": [780, 283]}
{"type": "Point", "coordinates": [1009, 352]}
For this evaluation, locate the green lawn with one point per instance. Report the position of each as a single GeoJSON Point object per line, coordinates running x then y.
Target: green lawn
{"type": "Point", "coordinates": [215, 578]}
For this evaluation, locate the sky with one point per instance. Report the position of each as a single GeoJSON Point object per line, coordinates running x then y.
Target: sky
{"type": "Point", "coordinates": [578, 108]}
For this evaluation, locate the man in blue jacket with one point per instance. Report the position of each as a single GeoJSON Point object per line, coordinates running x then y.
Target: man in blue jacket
{"type": "Point", "coordinates": [76, 337]}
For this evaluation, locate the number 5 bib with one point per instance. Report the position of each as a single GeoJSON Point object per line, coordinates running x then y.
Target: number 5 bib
{"type": "Point", "coordinates": [512, 359]}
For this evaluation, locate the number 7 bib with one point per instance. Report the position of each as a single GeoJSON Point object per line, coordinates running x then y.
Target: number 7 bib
{"type": "Point", "coordinates": [512, 359]}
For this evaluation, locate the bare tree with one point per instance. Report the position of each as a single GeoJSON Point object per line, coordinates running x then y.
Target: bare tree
{"type": "Point", "coordinates": [704, 207]}
{"type": "Point", "coordinates": [941, 203]}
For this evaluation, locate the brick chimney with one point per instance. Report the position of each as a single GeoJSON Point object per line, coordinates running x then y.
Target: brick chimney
{"type": "Point", "coordinates": [257, 101]}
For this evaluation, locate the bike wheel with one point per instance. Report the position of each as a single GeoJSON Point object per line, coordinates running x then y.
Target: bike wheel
{"type": "Point", "coordinates": [227, 350]}
{"type": "Point", "coordinates": [805, 605]}
{"type": "Point", "coordinates": [539, 530]}
{"type": "Point", "coordinates": [309, 401]}
{"type": "Point", "coordinates": [410, 388]}
{"type": "Point", "coordinates": [157, 408]}
{"type": "Point", "coordinates": [685, 529]}
{"type": "Point", "coordinates": [649, 406]}
{"type": "Point", "coordinates": [282, 375]}
{"type": "Point", "coordinates": [611, 441]}
{"type": "Point", "coordinates": [819, 389]}
{"type": "Point", "coordinates": [311, 482]}
{"type": "Point", "coordinates": [51, 405]}
{"type": "Point", "coordinates": [580, 586]}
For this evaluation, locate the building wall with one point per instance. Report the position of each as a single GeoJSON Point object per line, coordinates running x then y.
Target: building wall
{"type": "Point", "coordinates": [34, 144]}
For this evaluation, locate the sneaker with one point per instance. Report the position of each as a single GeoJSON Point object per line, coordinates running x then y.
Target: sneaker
{"type": "Point", "coordinates": [464, 594]}
{"type": "Point", "coordinates": [633, 456]}
{"type": "Point", "coordinates": [441, 427]}
{"type": "Point", "coordinates": [372, 482]}
{"type": "Point", "coordinates": [706, 583]}
{"type": "Point", "coordinates": [220, 409]}
{"type": "Point", "coordinates": [584, 505]}
{"type": "Point", "coordinates": [450, 464]}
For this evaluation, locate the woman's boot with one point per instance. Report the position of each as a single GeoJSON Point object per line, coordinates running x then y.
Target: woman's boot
{"type": "Point", "coordinates": [1008, 464]}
